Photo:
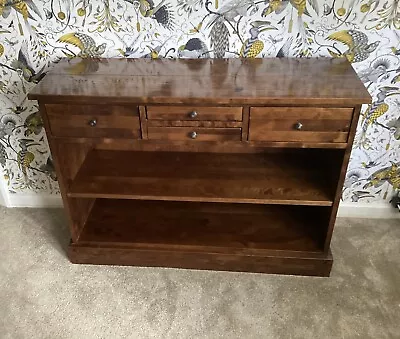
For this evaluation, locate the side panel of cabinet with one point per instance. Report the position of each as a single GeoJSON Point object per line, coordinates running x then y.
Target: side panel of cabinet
{"type": "Point", "coordinates": [67, 158]}
{"type": "Point", "coordinates": [340, 182]}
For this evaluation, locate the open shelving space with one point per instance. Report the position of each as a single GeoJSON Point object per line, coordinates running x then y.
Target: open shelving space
{"type": "Point", "coordinates": [279, 176]}
{"type": "Point", "coordinates": [244, 228]}
{"type": "Point", "coordinates": [259, 212]}
{"type": "Point", "coordinates": [236, 237]}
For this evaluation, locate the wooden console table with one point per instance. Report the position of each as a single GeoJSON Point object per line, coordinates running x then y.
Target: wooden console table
{"type": "Point", "coordinates": [222, 164]}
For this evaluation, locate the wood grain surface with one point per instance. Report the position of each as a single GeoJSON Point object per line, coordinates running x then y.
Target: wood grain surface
{"type": "Point", "coordinates": [308, 264]}
{"type": "Point", "coordinates": [284, 177]}
{"type": "Point", "coordinates": [255, 238]}
{"type": "Point", "coordinates": [206, 82]}
{"type": "Point", "coordinates": [317, 124]}
{"type": "Point", "coordinates": [201, 133]}
{"type": "Point", "coordinates": [110, 121]}
{"type": "Point", "coordinates": [194, 113]}
{"type": "Point", "coordinates": [233, 228]}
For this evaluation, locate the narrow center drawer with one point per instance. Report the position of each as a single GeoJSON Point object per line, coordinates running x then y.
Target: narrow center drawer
{"type": "Point", "coordinates": [194, 133]}
{"type": "Point", "coordinates": [194, 113]}
{"type": "Point", "coordinates": [105, 121]}
{"type": "Point", "coordinates": [300, 124]}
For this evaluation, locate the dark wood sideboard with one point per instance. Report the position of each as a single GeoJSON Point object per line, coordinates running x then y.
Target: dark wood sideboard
{"type": "Point", "coordinates": [222, 164]}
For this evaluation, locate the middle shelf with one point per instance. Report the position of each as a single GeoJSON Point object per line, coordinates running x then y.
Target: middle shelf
{"type": "Point", "coordinates": [284, 176]}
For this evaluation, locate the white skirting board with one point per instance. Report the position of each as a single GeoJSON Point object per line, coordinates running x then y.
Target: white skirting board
{"type": "Point", "coordinates": [375, 210]}
{"type": "Point", "coordinates": [34, 200]}
{"type": "Point", "coordinates": [348, 210]}
{"type": "Point", "coordinates": [4, 195]}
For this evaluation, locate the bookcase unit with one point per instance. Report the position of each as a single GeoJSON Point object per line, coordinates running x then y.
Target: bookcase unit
{"type": "Point", "coordinates": [223, 164]}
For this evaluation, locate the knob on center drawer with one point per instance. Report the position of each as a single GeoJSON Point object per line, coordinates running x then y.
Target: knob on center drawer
{"type": "Point", "coordinates": [298, 125]}
{"type": "Point", "coordinates": [92, 122]}
{"type": "Point", "coordinates": [193, 114]}
{"type": "Point", "coordinates": [193, 135]}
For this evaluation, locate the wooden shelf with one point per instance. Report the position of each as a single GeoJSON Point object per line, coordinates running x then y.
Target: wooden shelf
{"type": "Point", "coordinates": [276, 177]}
{"type": "Point", "coordinates": [244, 229]}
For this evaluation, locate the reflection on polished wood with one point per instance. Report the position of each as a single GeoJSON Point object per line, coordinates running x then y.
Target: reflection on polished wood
{"type": "Point", "coordinates": [222, 81]}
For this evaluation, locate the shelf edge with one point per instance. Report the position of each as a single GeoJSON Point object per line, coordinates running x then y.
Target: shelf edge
{"type": "Point", "coordinates": [326, 203]}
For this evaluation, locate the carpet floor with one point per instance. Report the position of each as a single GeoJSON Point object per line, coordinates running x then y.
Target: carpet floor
{"type": "Point", "coordinates": [42, 295]}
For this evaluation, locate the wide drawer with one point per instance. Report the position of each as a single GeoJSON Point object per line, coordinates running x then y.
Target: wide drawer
{"type": "Point", "coordinates": [194, 113]}
{"type": "Point", "coordinates": [94, 121]}
{"type": "Point", "coordinates": [300, 124]}
{"type": "Point", "coordinates": [194, 133]}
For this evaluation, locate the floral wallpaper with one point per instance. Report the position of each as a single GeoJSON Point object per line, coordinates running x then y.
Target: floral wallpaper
{"type": "Point", "coordinates": [36, 34]}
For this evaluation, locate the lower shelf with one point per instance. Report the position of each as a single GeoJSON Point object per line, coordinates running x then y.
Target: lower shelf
{"type": "Point", "coordinates": [237, 237]}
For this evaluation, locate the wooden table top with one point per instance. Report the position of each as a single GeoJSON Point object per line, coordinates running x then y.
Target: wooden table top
{"type": "Point", "coordinates": [269, 81]}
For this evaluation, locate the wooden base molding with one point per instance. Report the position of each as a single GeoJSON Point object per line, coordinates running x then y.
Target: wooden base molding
{"type": "Point", "coordinates": [307, 265]}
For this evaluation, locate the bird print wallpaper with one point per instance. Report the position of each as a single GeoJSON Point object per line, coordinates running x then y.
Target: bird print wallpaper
{"type": "Point", "coordinates": [35, 34]}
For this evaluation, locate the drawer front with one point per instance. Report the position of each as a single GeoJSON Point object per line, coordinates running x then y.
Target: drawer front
{"type": "Point", "coordinates": [94, 121]}
{"type": "Point", "coordinates": [194, 133]}
{"type": "Point", "coordinates": [194, 113]}
{"type": "Point", "coordinates": [300, 124]}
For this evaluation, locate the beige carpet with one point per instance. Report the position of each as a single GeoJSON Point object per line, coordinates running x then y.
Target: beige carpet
{"type": "Point", "coordinates": [42, 295]}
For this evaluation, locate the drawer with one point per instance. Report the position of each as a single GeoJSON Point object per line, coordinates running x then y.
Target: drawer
{"type": "Point", "coordinates": [194, 133]}
{"type": "Point", "coordinates": [194, 113]}
{"type": "Point", "coordinates": [301, 124]}
{"type": "Point", "coordinates": [94, 121]}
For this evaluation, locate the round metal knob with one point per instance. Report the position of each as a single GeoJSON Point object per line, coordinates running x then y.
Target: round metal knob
{"type": "Point", "coordinates": [193, 135]}
{"type": "Point", "coordinates": [298, 126]}
{"type": "Point", "coordinates": [193, 114]}
{"type": "Point", "coordinates": [93, 122]}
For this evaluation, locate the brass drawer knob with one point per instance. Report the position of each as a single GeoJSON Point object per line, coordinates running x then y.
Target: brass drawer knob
{"type": "Point", "coordinates": [193, 114]}
{"type": "Point", "coordinates": [93, 123]}
{"type": "Point", "coordinates": [193, 135]}
{"type": "Point", "coordinates": [298, 126]}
